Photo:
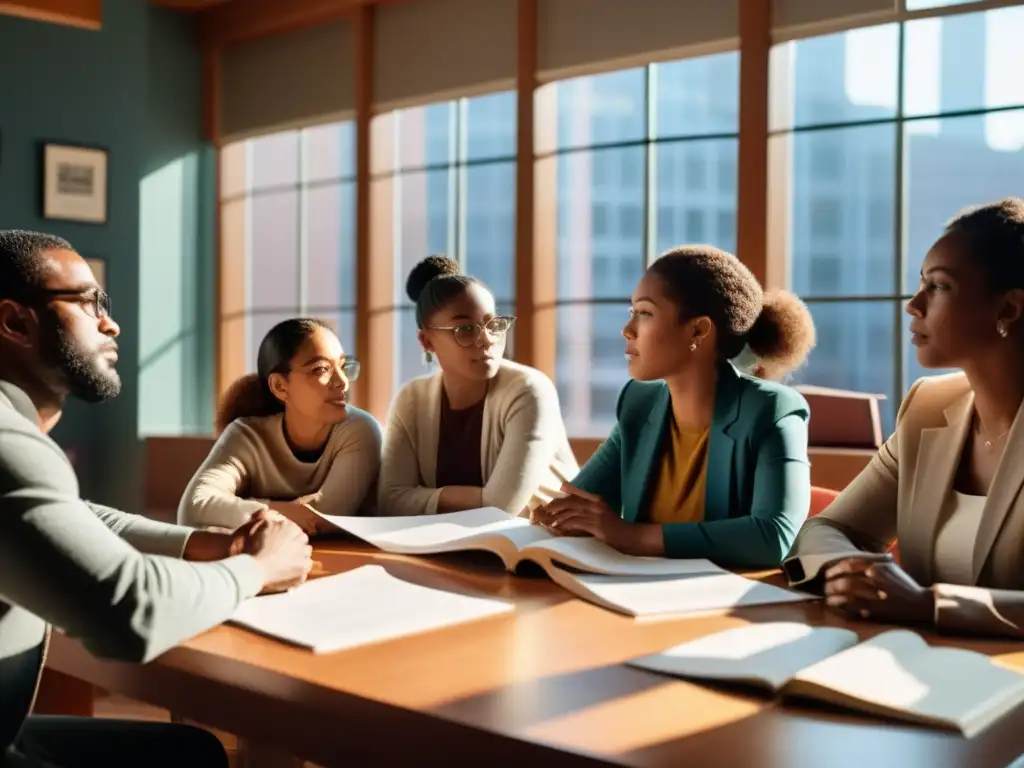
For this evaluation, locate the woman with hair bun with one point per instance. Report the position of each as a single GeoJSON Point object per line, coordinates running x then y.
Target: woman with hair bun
{"type": "Point", "coordinates": [946, 486]}
{"type": "Point", "coordinates": [704, 462]}
{"type": "Point", "coordinates": [288, 440]}
{"type": "Point", "coordinates": [481, 431]}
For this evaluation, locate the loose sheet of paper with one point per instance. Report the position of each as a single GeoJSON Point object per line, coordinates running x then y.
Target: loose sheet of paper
{"type": "Point", "coordinates": [362, 606]}
{"type": "Point", "coordinates": [655, 596]}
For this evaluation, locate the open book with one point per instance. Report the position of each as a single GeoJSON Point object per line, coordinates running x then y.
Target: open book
{"type": "Point", "coordinates": [513, 539]}
{"type": "Point", "coordinates": [895, 674]}
{"type": "Point", "coordinates": [362, 606]}
{"type": "Point", "coordinates": [585, 566]}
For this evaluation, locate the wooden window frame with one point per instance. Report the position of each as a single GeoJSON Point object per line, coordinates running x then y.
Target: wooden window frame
{"type": "Point", "coordinates": [535, 226]}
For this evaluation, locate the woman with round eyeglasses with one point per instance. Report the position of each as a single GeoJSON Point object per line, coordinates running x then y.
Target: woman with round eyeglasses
{"type": "Point", "coordinates": [289, 440]}
{"type": "Point", "coordinates": [480, 431]}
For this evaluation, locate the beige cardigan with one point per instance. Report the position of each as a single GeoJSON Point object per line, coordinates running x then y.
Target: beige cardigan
{"type": "Point", "coordinates": [251, 464]}
{"type": "Point", "coordinates": [524, 451]}
{"type": "Point", "coordinates": [903, 494]}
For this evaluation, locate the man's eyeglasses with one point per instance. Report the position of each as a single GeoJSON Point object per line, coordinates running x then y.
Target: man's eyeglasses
{"type": "Point", "coordinates": [95, 301]}
{"type": "Point", "coordinates": [468, 334]}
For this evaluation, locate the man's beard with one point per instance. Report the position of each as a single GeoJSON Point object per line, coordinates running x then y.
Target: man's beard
{"type": "Point", "coordinates": [85, 373]}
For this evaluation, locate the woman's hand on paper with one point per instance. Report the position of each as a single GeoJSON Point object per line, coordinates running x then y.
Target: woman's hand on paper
{"type": "Point", "coordinates": [581, 513]}
{"type": "Point", "coordinates": [880, 591]}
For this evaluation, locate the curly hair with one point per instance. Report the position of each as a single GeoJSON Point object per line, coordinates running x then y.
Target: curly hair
{"type": "Point", "coordinates": [707, 281]}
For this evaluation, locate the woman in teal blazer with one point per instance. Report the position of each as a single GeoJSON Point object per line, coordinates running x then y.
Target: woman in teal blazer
{"type": "Point", "coordinates": [704, 461]}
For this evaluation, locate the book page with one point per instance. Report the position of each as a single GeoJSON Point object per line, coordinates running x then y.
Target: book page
{"type": "Point", "coordinates": [648, 596]}
{"type": "Point", "coordinates": [432, 534]}
{"type": "Point", "coordinates": [900, 673]}
{"type": "Point", "coordinates": [586, 553]}
{"type": "Point", "coordinates": [362, 606]}
{"type": "Point", "coordinates": [764, 654]}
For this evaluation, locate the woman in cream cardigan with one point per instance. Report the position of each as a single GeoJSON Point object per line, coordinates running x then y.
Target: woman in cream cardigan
{"type": "Point", "coordinates": [948, 483]}
{"type": "Point", "coordinates": [481, 431]}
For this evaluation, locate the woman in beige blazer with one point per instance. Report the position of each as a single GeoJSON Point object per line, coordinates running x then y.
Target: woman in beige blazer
{"type": "Point", "coordinates": [947, 485]}
{"type": "Point", "coordinates": [481, 431]}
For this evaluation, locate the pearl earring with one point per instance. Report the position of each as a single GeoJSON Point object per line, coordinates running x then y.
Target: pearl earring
{"type": "Point", "coordinates": [693, 346]}
{"type": "Point", "coordinates": [1001, 330]}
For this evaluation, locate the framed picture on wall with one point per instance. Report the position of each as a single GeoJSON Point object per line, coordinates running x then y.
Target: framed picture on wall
{"type": "Point", "coordinates": [75, 183]}
{"type": "Point", "coordinates": [99, 269]}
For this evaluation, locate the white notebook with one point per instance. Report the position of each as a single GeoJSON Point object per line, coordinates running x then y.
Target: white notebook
{"type": "Point", "coordinates": [513, 539]}
{"type": "Point", "coordinates": [362, 606]}
{"type": "Point", "coordinates": [896, 674]}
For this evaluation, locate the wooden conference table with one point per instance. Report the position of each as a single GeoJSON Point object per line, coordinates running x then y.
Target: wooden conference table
{"type": "Point", "coordinates": [546, 682]}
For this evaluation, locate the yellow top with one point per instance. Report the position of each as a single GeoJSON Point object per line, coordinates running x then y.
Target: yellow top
{"type": "Point", "coordinates": [678, 496]}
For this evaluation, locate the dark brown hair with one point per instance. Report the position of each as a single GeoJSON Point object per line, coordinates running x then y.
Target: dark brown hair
{"type": "Point", "coordinates": [250, 395]}
{"type": "Point", "coordinates": [994, 234]}
{"type": "Point", "coordinates": [23, 260]}
{"type": "Point", "coordinates": [707, 281]}
{"type": "Point", "coordinates": [433, 284]}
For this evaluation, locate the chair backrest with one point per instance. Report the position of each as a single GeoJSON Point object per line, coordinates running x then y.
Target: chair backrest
{"type": "Point", "coordinates": [821, 498]}
{"type": "Point", "coordinates": [170, 464]}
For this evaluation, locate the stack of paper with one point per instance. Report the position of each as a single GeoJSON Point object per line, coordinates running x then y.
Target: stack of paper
{"type": "Point", "coordinates": [359, 607]}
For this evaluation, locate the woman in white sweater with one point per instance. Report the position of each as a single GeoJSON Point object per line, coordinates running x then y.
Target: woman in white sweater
{"type": "Point", "coordinates": [481, 431]}
{"type": "Point", "coordinates": [289, 440]}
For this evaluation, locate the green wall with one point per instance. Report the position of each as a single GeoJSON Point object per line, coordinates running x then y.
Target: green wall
{"type": "Point", "coordinates": [134, 88]}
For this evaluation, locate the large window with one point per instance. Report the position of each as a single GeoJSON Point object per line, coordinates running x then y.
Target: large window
{"type": "Point", "coordinates": [288, 208]}
{"type": "Point", "coordinates": [644, 159]}
{"type": "Point", "coordinates": [452, 167]}
{"type": "Point", "coordinates": [886, 133]}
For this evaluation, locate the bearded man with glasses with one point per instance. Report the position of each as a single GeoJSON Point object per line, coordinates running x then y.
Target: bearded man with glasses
{"type": "Point", "coordinates": [119, 583]}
